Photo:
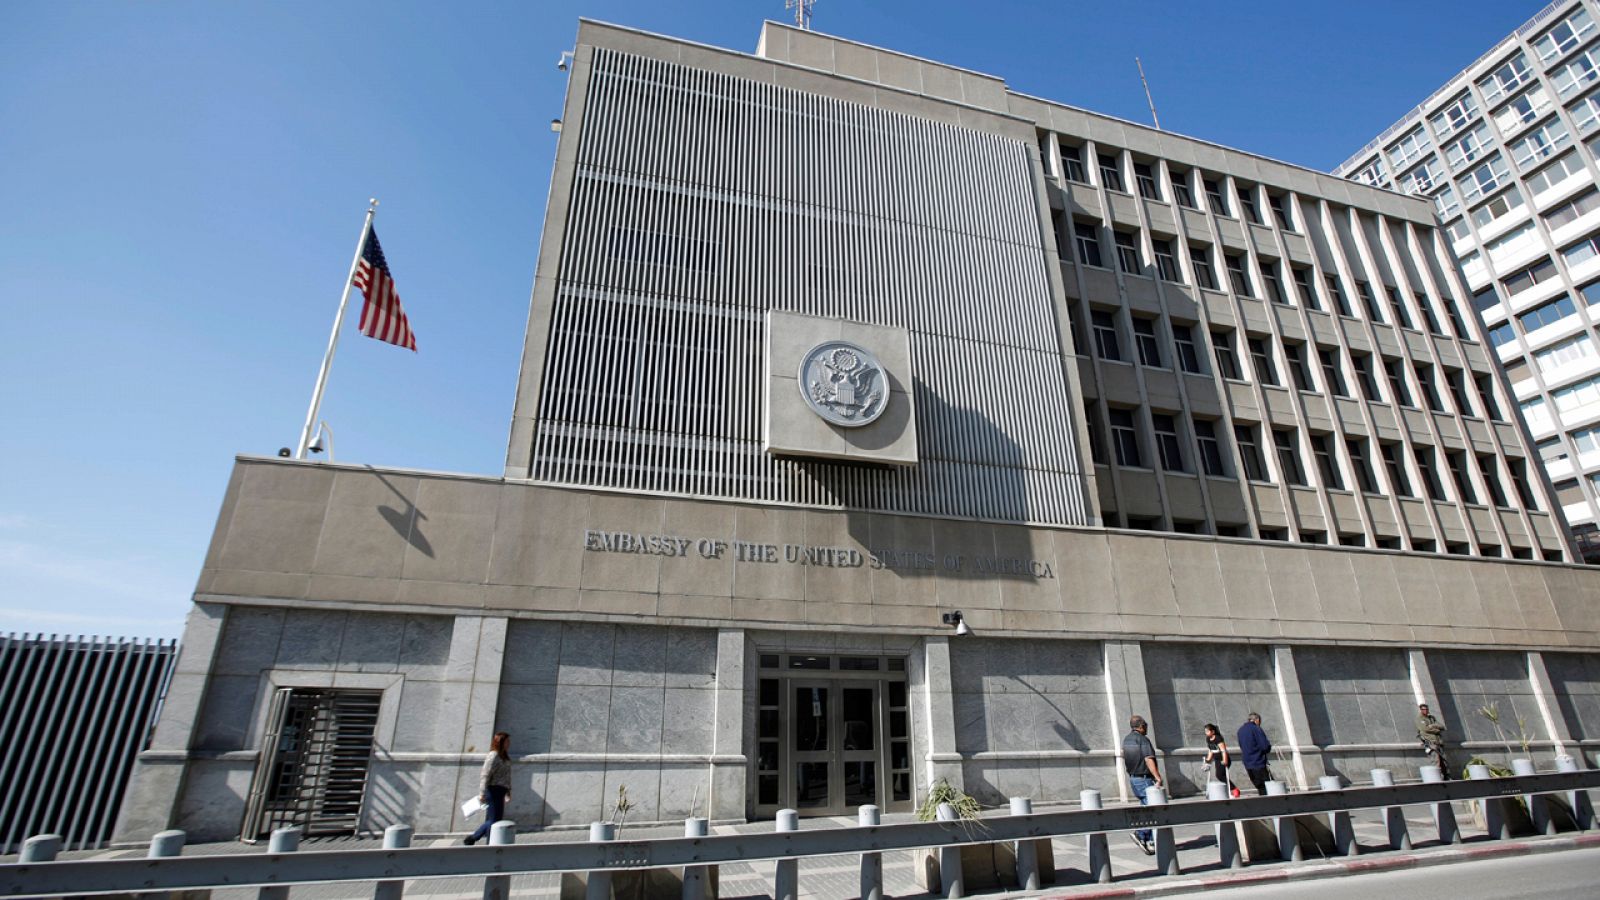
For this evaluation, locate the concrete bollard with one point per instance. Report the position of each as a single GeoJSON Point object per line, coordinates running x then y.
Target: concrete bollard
{"type": "Point", "coordinates": [694, 877]}
{"type": "Point", "coordinates": [40, 848]}
{"type": "Point", "coordinates": [1099, 852]}
{"type": "Point", "coordinates": [1582, 806]}
{"type": "Point", "coordinates": [164, 844]}
{"type": "Point", "coordinates": [598, 884]}
{"type": "Point", "coordinates": [498, 887]}
{"type": "Point", "coordinates": [1027, 852]}
{"type": "Point", "coordinates": [1166, 850]}
{"type": "Point", "coordinates": [1494, 811]}
{"type": "Point", "coordinates": [395, 837]}
{"type": "Point", "coordinates": [951, 879]}
{"type": "Point", "coordinates": [1288, 835]}
{"type": "Point", "coordinates": [1394, 818]}
{"type": "Point", "coordinates": [1444, 815]}
{"type": "Point", "coordinates": [786, 879]}
{"type": "Point", "coordinates": [283, 840]}
{"type": "Point", "coordinates": [1227, 834]}
{"type": "Point", "coordinates": [1344, 836]}
{"type": "Point", "coordinates": [1538, 804]}
{"type": "Point", "coordinates": [871, 863]}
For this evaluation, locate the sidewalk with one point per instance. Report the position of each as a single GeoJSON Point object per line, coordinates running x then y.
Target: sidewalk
{"type": "Point", "coordinates": [831, 878]}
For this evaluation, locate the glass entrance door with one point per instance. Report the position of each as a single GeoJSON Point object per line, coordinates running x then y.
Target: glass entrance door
{"type": "Point", "coordinates": [835, 746]}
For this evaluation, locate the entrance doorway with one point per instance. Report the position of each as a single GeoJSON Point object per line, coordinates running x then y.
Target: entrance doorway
{"type": "Point", "coordinates": [312, 772]}
{"type": "Point", "coordinates": [833, 734]}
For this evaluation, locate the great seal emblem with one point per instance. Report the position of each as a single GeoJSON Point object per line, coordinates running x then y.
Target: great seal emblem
{"type": "Point", "coordinates": [844, 384]}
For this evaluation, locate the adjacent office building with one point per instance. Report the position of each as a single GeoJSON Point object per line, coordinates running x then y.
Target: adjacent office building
{"type": "Point", "coordinates": [878, 424]}
{"type": "Point", "coordinates": [1507, 151]}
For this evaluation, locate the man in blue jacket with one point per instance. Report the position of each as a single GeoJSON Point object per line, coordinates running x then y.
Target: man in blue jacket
{"type": "Point", "coordinates": [1254, 747]}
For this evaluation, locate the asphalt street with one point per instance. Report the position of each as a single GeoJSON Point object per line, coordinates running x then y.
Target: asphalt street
{"type": "Point", "coordinates": [1573, 873]}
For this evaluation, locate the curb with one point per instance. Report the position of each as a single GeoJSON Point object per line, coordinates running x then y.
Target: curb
{"type": "Point", "coordinates": [1390, 861]}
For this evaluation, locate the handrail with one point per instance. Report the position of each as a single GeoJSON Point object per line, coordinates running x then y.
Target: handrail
{"type": "Point", "coordinates": [250, 869]}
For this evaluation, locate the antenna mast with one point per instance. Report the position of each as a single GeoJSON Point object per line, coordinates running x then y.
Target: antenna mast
{"type": "Point", "coordinates": [1155, 118]}
{"type": "Point", "coordinates": [802, 12]}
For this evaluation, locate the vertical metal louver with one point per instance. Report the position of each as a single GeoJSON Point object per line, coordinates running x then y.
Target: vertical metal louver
{"type": "Point", "coordinates": [702, 200]}
{"type": "Point", "coordinates": [74, 714]}
{"type": "Point", "coordinates": [314, 762]}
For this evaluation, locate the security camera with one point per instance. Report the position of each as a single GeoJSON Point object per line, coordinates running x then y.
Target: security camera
{"type": "Point", "coordinates": [284, 452]}
{"type": "Point", "coordinates": [561, 62]}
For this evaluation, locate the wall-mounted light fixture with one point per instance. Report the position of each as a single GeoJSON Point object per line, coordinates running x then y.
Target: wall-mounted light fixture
{"type": "Point", "coordinates": [954, 618]}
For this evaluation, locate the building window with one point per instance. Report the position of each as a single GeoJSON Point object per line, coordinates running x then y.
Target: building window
{"type": "Point", "coordinates": [1409, 148]}
{"type": "Point", "coordinates": [1364, 374]}
{"type": "Point", "coordinates": [1237, 279]}
{"type": "Point", "coordinates": [1396, 371]}
{"type": "Point", "coordinates": [1585, 113]}
{"type": "Point", "coordinates": [1468, 147]}
{"type": "Point", "coordinates": [1326, 464]}
{"type": "Point", "coordinates": [1167, 447]}
{"type": "Point", "coordinates": [1369, 302]}
{"type": "Point", "coordinates": [1524, 108]}
{"type": "Point", "coordinates": [1505, 78]}
{"type": "Point", "coordinates": [1166, 262]}
{"type": "Point", "coordinates": [1581, 252]}
{"type": "Point", "coordinates": [1144, 338]}
{"type": "Point", "coordinates": [1430, 393]}
{"type": "Point", "coordinates": [1304, 287]}
{"type": "Point", "coordinates": [1484, 179]}
{"type": "Point", "coordinates": [1552, 358]}
{"type": "Point", "coordinates": [1298, 371]}
{"type": "Point", "coordinates": [1204, 274]}
{"type": "Point", "coordinates": [1247, 203]}
{"type": "Point", "coordinates": [1564, 36]}
{"type": "Point", "coordinates": [1180, 188]}
{"type": "Point", "coordinates": [1540, 144]}
{"type": "Point", "coordinates": [1336, 291]}
{"type": "Point", "coordinates": [1149, 187]}
{"type": "Point", "coordinates": [1274, 287]}
{"type": "Point", "coordinates": [1255, 466]}
{"type": "Point", "coordinates": [1366, 478]}
{"type": "Point", "coordinates": [1280, 211]}
{"type": "Point", "coordinates": [1427, 314]}
{"type": "Point", "coordinates": [1568, 212]}
{"type": "Point", "coordinates": [1205, 434]}
{"type": "Point", "coordinates": [1502, 334]}
{"type": "Point", "coordinates": [1457, 462]}
{"type": "Point", "coordinates": [1401, 314]}
{"type": "Point", "coordinates": [1111, 173]}
{"type": "Point", "coordinates": [1214, 196]}
{"type": "Point", "coordinates": [1395, 463]}
{"type": "Point", "coordinates": [1288, 457]}
{"type": "Point", "coordinates": [1491, 479]}
{"type": "Point", "coordinates": [1455, 318]}
{"type": "Point", "coordinates": [1124, 438]}
{"type": "Point", "coordinates": [1519, 480]}
{"type": "Point", "coordinates": [1546, 313]}
{"type": "Point", "coordinates": [1555, 173]}
{"type": "Point", "coordinates": [1457, 381]}
{"type": "Point", "coordinates": [1430, 478]}
{"type": "Point", "coordinates": [1183, 340]}
{"type": "Point", "coordinates": [1227, 357]}
{"type": "Point", "coordinates": [1485, 385]}
{"type": "Point", "coordinates": [1072, 163]}
{"type": "Point", "coordinates": [1456, 114]}
{"type": "Point", "coordinates": [1331, 371]}
{"type": "Point", "coordinates": [1105, 335]}
{"type": "Point", "coordinates": [1266, 373]}
{"type": "Point", "coordinates": [1127, 252]}
{"type": "Point", "coordinates": [1499, 206]}
{"type": "Point", "coordinates": [1372, 173]}
{"type": "Point", "coordinates": [1486, 299]}
{"type": "Point", "coordinates": [1088, 240]}
{"type": "Point", "coordinates": [1577, 73]}
{"type": "Point", "coordinates": [1097, 444]}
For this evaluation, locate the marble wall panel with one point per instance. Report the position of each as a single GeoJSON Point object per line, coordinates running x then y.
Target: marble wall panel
{"type": "Point", "coordinates": [1576, 679]}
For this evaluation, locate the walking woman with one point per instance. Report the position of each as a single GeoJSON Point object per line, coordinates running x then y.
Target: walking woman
{"type": "Point", "coordinates": [494, 785]}
{"type": "Point", "coordinates": [1217, 756]}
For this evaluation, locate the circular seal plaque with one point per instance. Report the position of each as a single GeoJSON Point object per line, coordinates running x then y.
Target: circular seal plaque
{"type": "Point", "coordinates": [844, 384]}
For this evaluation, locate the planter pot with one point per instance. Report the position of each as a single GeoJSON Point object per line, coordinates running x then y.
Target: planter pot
{"type": "Point", "coordinates": [984, 866]}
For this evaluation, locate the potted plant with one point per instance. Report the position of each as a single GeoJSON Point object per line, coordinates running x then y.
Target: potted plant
{"type": "Point", "coordinates": [984, 866]}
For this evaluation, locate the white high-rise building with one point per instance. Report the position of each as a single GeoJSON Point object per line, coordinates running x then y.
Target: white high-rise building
{"type": "Point", "coordinates": [1507, 151]}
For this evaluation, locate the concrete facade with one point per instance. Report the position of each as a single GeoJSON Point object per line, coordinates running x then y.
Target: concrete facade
{"type": "Point", "coordinates": [648, 598]}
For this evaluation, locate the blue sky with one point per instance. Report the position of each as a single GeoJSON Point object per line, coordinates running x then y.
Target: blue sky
{"type": "Point", "coordinates": [182, 184]}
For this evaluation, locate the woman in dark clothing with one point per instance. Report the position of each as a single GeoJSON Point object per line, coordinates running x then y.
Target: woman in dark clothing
{"type": "Point", "coordinates": [494, 785]}
{"type": "Point", "coordinates": [1217, 755]}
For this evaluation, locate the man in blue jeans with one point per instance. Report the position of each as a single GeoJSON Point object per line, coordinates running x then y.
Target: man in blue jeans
{"type": "Point", "coordinates": [1139, 760]}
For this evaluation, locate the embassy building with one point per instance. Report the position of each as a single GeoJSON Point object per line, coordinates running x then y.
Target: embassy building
{"type": "Point", "coordinates": [828, 345]}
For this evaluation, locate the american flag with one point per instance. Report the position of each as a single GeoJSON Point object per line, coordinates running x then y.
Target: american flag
{"type": "Point", "coordinates": [381, 315]}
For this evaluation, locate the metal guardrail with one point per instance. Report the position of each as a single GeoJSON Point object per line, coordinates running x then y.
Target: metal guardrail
{"type": "Point", "coordinates": [279, 870]}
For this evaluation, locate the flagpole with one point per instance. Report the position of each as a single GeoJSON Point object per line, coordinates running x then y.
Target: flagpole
{"type": "Point", "coordinates": [333, 339]}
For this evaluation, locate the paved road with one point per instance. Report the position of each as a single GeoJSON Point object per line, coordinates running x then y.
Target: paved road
{"type": "Point", "coordinates": [1571, 873]}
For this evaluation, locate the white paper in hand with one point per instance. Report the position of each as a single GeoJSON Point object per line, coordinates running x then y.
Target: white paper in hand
{"type": "Point", "coordinates": [471, 808]}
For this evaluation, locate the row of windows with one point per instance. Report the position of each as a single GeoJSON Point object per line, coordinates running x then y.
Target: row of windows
{"type": "Point", "coordinates": [1344, 539]}
{"type": "Point", "coordinates": [1130, 259]}
{"type": "Point", "coordinates": [1167, 450]}
{"type": "Point", "coordinates": [1186, 185]}
{"type": "Point", "coordinates": [1108, 346]}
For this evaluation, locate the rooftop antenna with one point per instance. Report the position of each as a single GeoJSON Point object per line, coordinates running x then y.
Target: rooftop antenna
{"type": "Point", "coordinates": [1147, 98]}
{"type": "Point", "coordinates": [802, 12]}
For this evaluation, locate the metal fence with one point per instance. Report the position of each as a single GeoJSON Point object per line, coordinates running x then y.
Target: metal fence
{"type": "Point", "coordinates": [384, 871]}
{"type": "Point", "coordinates": [74, 712]}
